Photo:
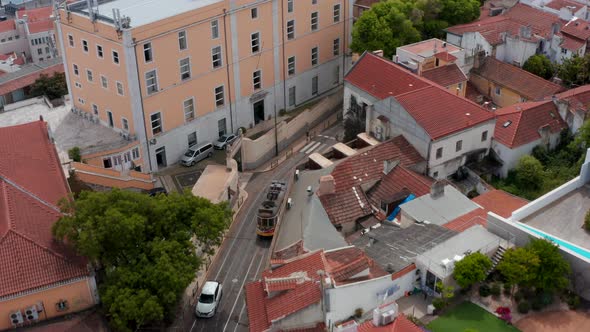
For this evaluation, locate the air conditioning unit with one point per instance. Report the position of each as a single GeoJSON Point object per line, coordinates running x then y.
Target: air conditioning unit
{"type": "Point", "coordinates": [16, 318]}
{"type": "Point", "coordinates": [385, 314]}
{"type": "Point", "coordinates": [31, 313]}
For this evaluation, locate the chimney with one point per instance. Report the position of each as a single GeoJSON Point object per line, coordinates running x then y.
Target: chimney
{"type": "Point", "coordinates": [26, 18]}
{"type": "Point", "coordinates": [437, 190]}
{"type": "Point", "coordinates": [389, 165]}
{"type": "Point", "coordinates": [479, 59]}
{"type": "Point", "coordinates": [327, 185]}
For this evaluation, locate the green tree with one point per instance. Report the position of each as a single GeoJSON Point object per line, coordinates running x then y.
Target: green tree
{"type": "Point", "coordinates": [519, 266]}
{"type": "Point", "coordinates": [539, 65]}
{"type": "Point", "coordinates": [574, 71]}
{"type": "Point", "coordinates": [459, 11]}
{"type": "Point", "coordinates": [51, 86]}
{"type": "Point", "coordinates": [471, 269]}
{"type": "Point", "coordinates": [529, 172]}
{"type": "Point", "coordinates": [553, 270]}
{"type": "Point", "coordinates": [144, 248]}
{"type": "Point", "coordinates": [446, 293]}
{"type": "Point", "coordinates": [354, 122]}
{"type": "Point", "coordinates": [583, 136]}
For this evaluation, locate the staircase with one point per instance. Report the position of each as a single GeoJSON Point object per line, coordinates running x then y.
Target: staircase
{"type": "Point", "coordinates": [496, 258]}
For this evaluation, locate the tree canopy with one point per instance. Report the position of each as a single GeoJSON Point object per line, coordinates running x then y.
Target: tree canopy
{"type": "Point", "coordinates": [518, 266]}
{"type": "Point", "coordinates": [539, 65]}
{"type": "Point", "coordinates": [553, 270]}
{"type": "Point", "coordinates": [529, 172]}
{"type": "Point", "coordinates": [471, 269]}
{"type": "Point", "coordinates": [51, 86]}
{"type": "Point", "coordinates": [144, 248]}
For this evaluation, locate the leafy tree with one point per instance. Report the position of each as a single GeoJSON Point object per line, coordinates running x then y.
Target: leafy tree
{"type": "Point", "coordinates": [446, 292]}
{"type": "Point", "coordinates": [529, 172]}
{"type": "Point", "coordinates": [519, 266]}
{"type": "Point", "coordinates": [551, 274]}
{"type": "Point", "coordinates": [459, 11]}
{"type": "Point", "coordinates": [583, 136]}
{"type": "Point", "coordinates": [471, 269]}
{"type": "Point", "coordinates": [144, 247]}
{"type": "Point", "coordinates": [587, 221]}
{"type": "Point", "coordinates": [51, 86]}
{"type": "Point", "coordinates": [354, 122]}
{"type": "Point", "coordinates": [74, 154]}
{"type": "Point", "coordinates": [574, 71]}
{"type": "Point", "coordinates": [539, 65]}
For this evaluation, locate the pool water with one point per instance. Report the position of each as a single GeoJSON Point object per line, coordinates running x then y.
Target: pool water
{"type": "Point", "coordinates": [580, 251]}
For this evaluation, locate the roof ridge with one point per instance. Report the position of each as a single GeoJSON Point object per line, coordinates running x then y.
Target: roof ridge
{"type": "Point", "coordinates": [529, 74]}
{"type": "Point", "coordinates": [28, 193]}
{"type": "Point", "coordinates": [56, 254]}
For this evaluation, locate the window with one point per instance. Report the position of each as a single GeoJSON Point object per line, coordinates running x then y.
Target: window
{"type": "Point", "coordinates": [458, 146]}
{"type": "Point", "coordinates": [291, 65]}
{"type": "Point", "coordinates": [135, 153]}
{"type": "Point", "coordinates": [104, 82]}
{"type": "Point", "coordinates": [336, 13]}
{"type": "Point", "coordinates": [435, 175]}
{"type": "Point", "coordinates": [439, 153]}
{"type": "Point", "coordinates": [219, 96]}
{"type": "Point", "coordinates": [563, 50]}
{"type": "Point", "coordinates": [110, 118]}
{"type": "Point", "coordinates": [189, 109]}
{"type": "Point", "coordinates": [185, 69]}
{"type": "Point", "coordinates": [314, 2]}
{"type": "Point", "coordinates": [76, 71]}
{"type": "Point", "coordinates": [314, 56]}
{"type": "Point", "coordinates": [116, 57]}
{"type": "Point", "coordinates": [127, 157]}
{"type": "Point", "coordinates": [151, 82]}
{"type": "Point", "coordinates": [257, 79]}
{"type": "Point", "coordinates": [214, 29]}
{"type": "Point", "coordinates": [314, 21]}
{"type": "Point", "coordinates": [71, 40]}
{"type": "Point", "coordinates": [336, 47]}
{"type": "Point", "coordinates": [99, 52]}
{"type": "Point", "coordinates": [47, 50]}
{"type": "Point", "coordinates": [254, 12]}
{"type": "Point", "coordinates": [314, 85]}
{"type": "Point", "coordinates": [460, 86]}
{"type": "Point", "coordinates": [484, 136]}
{"type": "Point", "coordinates": [120, 89]}
{"type": "Point", "coordinates": [292, 96]}
{"type": "Point", "coordinates": [289, 6]}
{"type": "Point", "coordinates": [107, 163]}
{"type": "Point", "coordinates": [498, 90]}
{"type": "Point", "coordinates": [61, 305]}
{"type": "Point", "coordinates": [255, 41]}
{"type": "Point", "coordinates": [156, 120]}
{"type": "Point", "coordinates": [39, 51]}
{"type": "Point", "coordinates": [147, 52]}
{"type": "Point", "coordinates": [81, 101]}
{"type": "Point", "coordinates": [216, 57]}
{"type": "Point", "coordinates": [89, 75]}
{"type": "Point", "coordinates": [95, 109]}
{"type": "Point", "coordinates": [221, 127]}
{"type": "Point", "coordinates": [85, 45]}
{"type": "Point", "coordinates": [192, 139]}
{"type": "Point", "coordinates": [290, 29]}
{"type": "Point", "coordinates": [78, 85]}
{"type": "Point", "coordinates": [125, 124]}
{"type": "Point", "coordinates": [182, 40]}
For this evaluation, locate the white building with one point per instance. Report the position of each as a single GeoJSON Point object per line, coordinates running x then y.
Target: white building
{"type": "Point", "coordinates": [564, 9]}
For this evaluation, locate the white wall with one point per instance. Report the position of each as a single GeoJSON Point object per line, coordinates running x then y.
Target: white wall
{"type": "Point", "coordinates": [517, 50]}
{"type": "Point", "coordinates": [14, 45]}
{"type": "Point", "coordinates": [33, 52]}
{"type": "Point", "coordinates": [311, 314]}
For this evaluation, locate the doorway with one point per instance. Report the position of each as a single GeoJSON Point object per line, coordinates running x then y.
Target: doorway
{"type": "Point", "coordinates": [258, 111]}
{"type": "Point", "coordinates": [161, 157]}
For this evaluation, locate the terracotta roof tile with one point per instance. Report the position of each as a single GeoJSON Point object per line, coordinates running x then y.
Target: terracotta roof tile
{"type": "Point", "coordinates": [445, 75]}
{"type": "Point", "coordinates": [404, 271]}
{"type": "Point", "coordinates": [41, 26]}
{"type": "Point", "coordinates": [304, 295]}
{"type": "Point", "coordinates": [446, 56]}
{"type": "Point", "coordinates": [398, 180]}
{"type": "Point", "coordinates": [519, 80]}
{"type": "Point", "coordinates": [578, 98]}
{"type": "Point", "coordinates": [400, 324]}
{"type": "Point", "coordinates": [8, 25]}
{"type": "Point", "coordinates": [256, 305]}
{"type": "Point", "coordinates": [558, 4]}
{"type": "Point", "coordinates": [24, 81]}
{"type": "Point", "coordinates": [572, 44]}
{"type": "Point", "coordinates": [519, 124]}
{"type": "Point", "coordinates": [577, 28]}
{"type": "Point", "coordinates": [36, 14]}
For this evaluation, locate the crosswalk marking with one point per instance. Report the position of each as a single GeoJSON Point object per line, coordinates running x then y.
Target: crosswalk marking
{"type": "Point", "coordinates": [313, 147]}
{"type": "Point", "coordinates": [307, 146]}
{"type": "Point", "coordinates": [316, 148]}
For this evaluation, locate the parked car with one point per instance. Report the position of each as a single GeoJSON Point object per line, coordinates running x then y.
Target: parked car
{"type": "Point", "coordinates": [157, 191]}
{"type": "Point", "coordinates": [196, 153]}
{"type": "Point", "coordinates": [223, 141]}
{"type": "Point", "coordinates": [209, 299]}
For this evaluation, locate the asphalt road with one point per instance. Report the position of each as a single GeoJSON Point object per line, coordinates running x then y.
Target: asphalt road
{"type": "Point", "coordinates": [243, 255]}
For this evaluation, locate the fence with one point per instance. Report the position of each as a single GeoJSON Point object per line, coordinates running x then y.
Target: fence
{"type": "Point", "coordinates": [112, 178]}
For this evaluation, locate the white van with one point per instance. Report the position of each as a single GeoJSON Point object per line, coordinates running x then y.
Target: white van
{"type": "Point", "coordinates": [196, 153]}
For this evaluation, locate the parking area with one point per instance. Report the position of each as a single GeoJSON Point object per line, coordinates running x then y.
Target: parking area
{"type": "Point", "coordinates": [178, 177]}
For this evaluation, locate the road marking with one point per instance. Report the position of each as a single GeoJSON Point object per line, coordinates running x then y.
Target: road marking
{"type": "Point", "coordinates": [241, 288]}
{"type": "Point", "coordinates": [313, 147]}
{"type": "Point", "coordinates": [306, 147]}
{"type": "Point", "coordinates": [244, 304]}
{"type": "Point", "coordinates": [192, 327]}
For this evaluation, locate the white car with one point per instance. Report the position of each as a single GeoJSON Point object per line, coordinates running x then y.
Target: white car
{"type": "Point", "coordinates": [209, 299]}
{"type": "Point", "coordinates": [223, 141]}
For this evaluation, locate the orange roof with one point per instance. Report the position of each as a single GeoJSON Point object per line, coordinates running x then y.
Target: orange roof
{"type": "Point", "coordinates": [446, 56]}
{"type": "Point", "coordinates": [41, 26]}
{"type": "Point", "coordinates": [577, 28]}
{"type": "Point", "coordinates": [400, 324]}
{"type": "Point", "coordinates": [35, 14]}
{"type": "Point", "coordinates": [558, 4]}
{"type": "Point", "coordinates": [23, 81]}
{"type": "Point", "coordinates": [445, 75]}
{"type": "Point", "coordinates": [572, 44]}
{"type": "Point", "coordinates": [7, 25]}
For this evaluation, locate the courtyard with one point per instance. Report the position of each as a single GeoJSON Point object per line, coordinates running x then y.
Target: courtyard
{"type": "Point", "coordinates": [469, 316]}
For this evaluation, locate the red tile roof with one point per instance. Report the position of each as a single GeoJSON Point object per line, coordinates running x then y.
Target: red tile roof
{"type": "Point", "coordinates": [445, 75]}
{"type": "Point", "coordinates": [572, 44]}
{"type": "Point", "coordinates": [35, 14]}
{"type": "Point", "coordinates": [519, 124]}
{"type": "Point", "coordinates": [8, 25]}
{"type": "Point", "coordinates": [41, 26]}
{"type": "Point", "coordinates": [445, 56]}
{"type": "Point", "coordinates": [363, 168]}
{"type": "Point", "coordinates": [31, 184]}
{"type": "Point", "coordinates": [400, 324]}
{"type": "Point", "coordinates": [577, 28]}
{"type": "Point", "coordinates": [558, 4]}
{"type": "Point", "coordinates": [398, 180]}
{"type": "Point", "coordinates": [527, 85]}
{"type": "Point", "coordinates": [578, 98]}
{"type": "Point", "coordinates": [24, 81]}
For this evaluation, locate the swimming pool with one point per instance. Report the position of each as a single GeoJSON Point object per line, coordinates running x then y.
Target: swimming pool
{"type": "Point", "coordinates": [578, 250]}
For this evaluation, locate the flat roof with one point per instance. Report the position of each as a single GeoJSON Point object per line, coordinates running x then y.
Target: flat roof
{"type": "Point", "coordinates": [441, 210]}
{"type": "Point", "coordinates": [564, 218]}
{"type": "Point", "coordinates": [143, 12]}
{"type": "Point", "coordinates": [320, 160]}
{"type": "Point", "coordinates": [426, 48]}
{"type": "Point", "coordinates": [394, 248]}
{"type": "Point", "coordinates": [344, 149]}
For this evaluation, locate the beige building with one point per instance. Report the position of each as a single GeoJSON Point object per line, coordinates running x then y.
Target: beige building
{"type": "Point", "coordinates": [169, 74]}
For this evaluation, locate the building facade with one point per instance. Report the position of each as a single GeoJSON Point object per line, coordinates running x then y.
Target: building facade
{"type": "Point", "coordinates": [171, 75]}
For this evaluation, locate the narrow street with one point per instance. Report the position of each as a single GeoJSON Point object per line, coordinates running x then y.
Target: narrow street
{"type": "Point", "coordinates": [243, 255]}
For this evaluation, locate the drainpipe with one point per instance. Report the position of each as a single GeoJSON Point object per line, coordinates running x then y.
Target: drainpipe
{"type": "Point", "coordinates": [231, 116]}
{"type": "Point", "coordinates": [284, 74]}
{"type": "Point", "coordinates": [344, 42]}
{"type": "Point", "coordinates": [142, 109]}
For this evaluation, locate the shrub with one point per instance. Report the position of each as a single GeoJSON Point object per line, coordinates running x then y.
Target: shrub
{"type": "Point", "coordinates": [243, 129]}
{"type": "Point", "coordinates": [438, 303]}
{"type": "Point", "coordinates": [358, 313]}
{"type": "Point", "coordinates": [282, 112]}
{"type": "Point", "coordinates": [537, 303]}
{"type": "Point", "coordinates": [524, 307]}
{"type": "Point", "coordinates": [587, 221]}
{"type": "Point", "coordinates": [573, 301]}
{"type": "Point", "coordinates": [518, 296]}
{"type": "Point", "coordinates": [484, 290]}
{"type": "Point", "coordinates": [496, 289]}
{"type": "Point", "coordinates": [74, 154]}
{"type": "Point", "coordinates": [414, 320]}
{"type": "Point", "coordinates": [507, 289]}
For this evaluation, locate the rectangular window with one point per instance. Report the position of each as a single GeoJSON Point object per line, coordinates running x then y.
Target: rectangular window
{"type": "Point", "coordinates": [563, 51]}
{"type": "Point", "coordinates": [255, 42]}
{"type": "Point", "coordinates": [110, 118]}
{"type": "Point", "coordinates": [71, 40]}
{"type": "Point", "coordinates": [314, 56]}
{"type": "Point", "coordinates": [189, 109]}
{"type": "Point", "coordinates": [147, 52]}
{"type": "Point", "coordinates": [484, 136]}
{"type": "Point", "coordinates": [135, 153]}
{"type": "Point", "coordinates": [99, 51]}
{"type": "Point", "coordinates": [292, 96]}
{"type": "Point", "coordinates": [104, 82]}
{"type": "Point", "coordinates": [257, 79]}
{"type": "Point", "coordinates": [336, 47]}
{"type": "Point", "coordinates": [254, 12]}
{"type": "Point", "coordinates": [314, 2]}
{"type": "Point", "coordinates": [221, 127]}
{"type": "Point", "coordinates": [314, 21]}
{"type": "Point", "coordinates": [116, 57]}
{"type": "Point", "coordinates": [458, 146]}
{"type": "Point", "coordinates": [125, 124]}
{"type": "Point", "coordinates": [498, 90]}
{"type": "Point", "coordinates": [127, 157]}
{"type": "Point", "coordinates": [95, 109]}
{"type": "Point", "coordinates": [314, 85]}
{"type": "Point", "coordinates": [156, 120]}
{"type": "Point", "coordinates": [214, 29]}
{"type": "Point", "coordinates": [85, 45]}
{"type": "Point", "coordinates": [336, 13]}
{"type": "Point", "coordinates": [182, 45]}
{"type": "Point", "coordinates": [192, 139]}
{"type": "Point", "coordinates": [39, 51]}
{"type": "Point", "coordinates": [120, 89]}
{"type": "Point", "coordinates": [291, 65]}
{"type": "Point", "coordinates": [290, 29]}
{"type": "Point", "coordinates": [185, 69]}
{"type": "Point", "coordinates": [439, 153]}
{"type": "Point", "coordinates": [216, 57]}
{"type": "Point", "coordinates": [89, 75]}
{"type": "Point", "coordinates": [151, 82]}
{"type": "Point", "coordinates": [219, 96]}
{"type": "Point", "coordinates": [76, 71]}
{"type": "Point", "coordinates": [290, 6]}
